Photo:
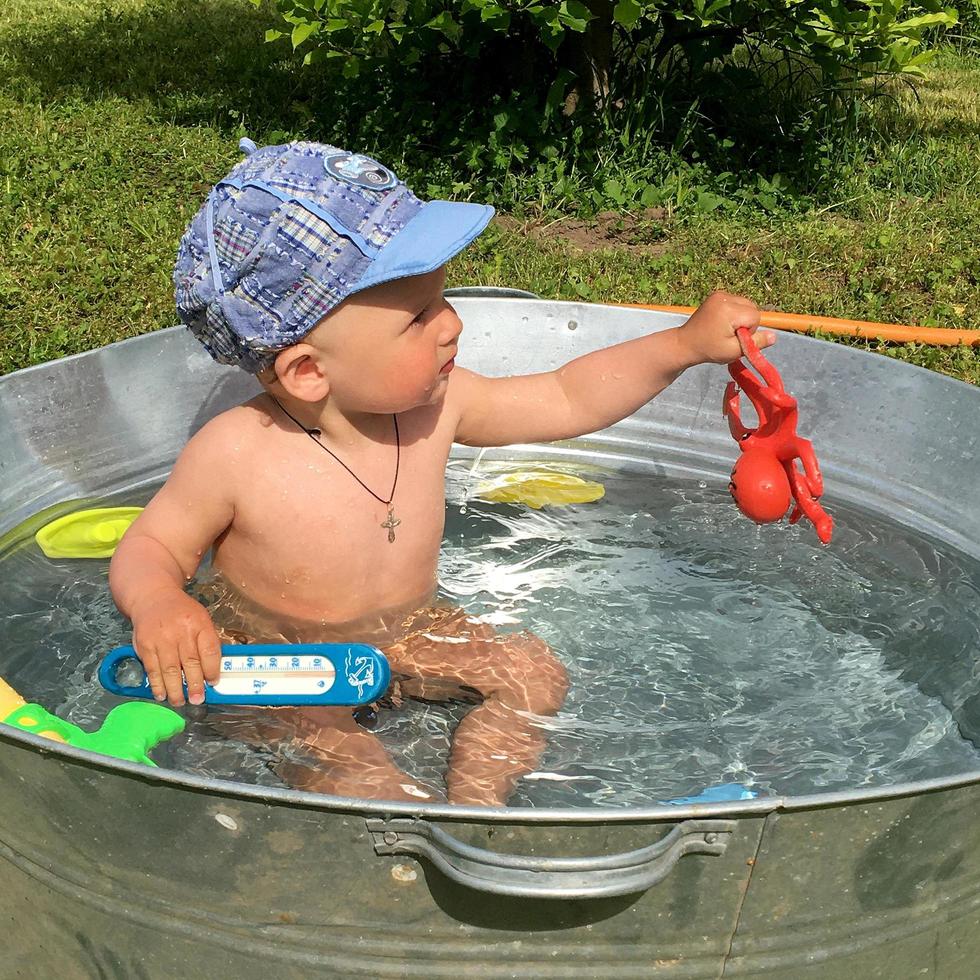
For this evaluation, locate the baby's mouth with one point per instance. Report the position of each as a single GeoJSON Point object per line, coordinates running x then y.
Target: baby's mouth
{"type": "Point", "coordinates": [448, 366]}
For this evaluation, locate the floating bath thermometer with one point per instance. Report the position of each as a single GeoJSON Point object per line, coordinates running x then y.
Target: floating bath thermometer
{"type": "Point", "coordinates": [276, 674]}
{"type": "Point", "coordinates": [765, 476]}
{"type": "Point", "coordinates": [86, 533]}
{"type": "Point", "coordinates": [128, 732]}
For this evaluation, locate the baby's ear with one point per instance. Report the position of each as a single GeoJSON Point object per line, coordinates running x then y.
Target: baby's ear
{"type": "Point", "coordinates": [301, 373]}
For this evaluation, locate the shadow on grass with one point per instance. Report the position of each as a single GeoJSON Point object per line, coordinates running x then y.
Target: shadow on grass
{"type": "Point", "coordinates": [199, 63]}
{"type": "Point", "coordinates": [207, 64]}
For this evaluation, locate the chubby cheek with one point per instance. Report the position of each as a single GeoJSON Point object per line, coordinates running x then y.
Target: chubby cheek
{"type": "Point", "coordinates": [405, 382]}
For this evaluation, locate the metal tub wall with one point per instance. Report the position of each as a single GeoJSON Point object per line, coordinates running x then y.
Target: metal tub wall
{"type": "Point", "coordinates": [109, 869]}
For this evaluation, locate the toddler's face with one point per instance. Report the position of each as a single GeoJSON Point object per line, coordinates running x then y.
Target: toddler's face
{"type": "Point", "coordinates": [390, 348]}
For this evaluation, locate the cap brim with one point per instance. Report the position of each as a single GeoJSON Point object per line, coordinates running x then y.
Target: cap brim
{"type": "Point", "coordinates": [440, 230]}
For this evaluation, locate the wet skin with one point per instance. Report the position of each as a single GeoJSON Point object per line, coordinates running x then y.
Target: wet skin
{"type": "Point", "coordinates": [443, 654]}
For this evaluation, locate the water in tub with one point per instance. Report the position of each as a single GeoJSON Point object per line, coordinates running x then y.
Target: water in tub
{"type": "Point", "coordinates": [701, 649]}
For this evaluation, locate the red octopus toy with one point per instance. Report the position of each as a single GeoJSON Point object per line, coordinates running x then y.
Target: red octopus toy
{"type": "Point", "coordinates": [765, 475]}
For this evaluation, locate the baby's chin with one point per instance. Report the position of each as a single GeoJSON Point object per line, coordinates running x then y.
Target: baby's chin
{"type": "Point", "coordinates": [426, 397]}
{"type": "Point", "coordinates": [438, 391]}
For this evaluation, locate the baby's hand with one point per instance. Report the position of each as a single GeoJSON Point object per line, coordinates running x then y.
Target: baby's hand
{"type": "Point", "coordinates": [710, 335]}
{"type": "Point", "coordinates": [173, 633]}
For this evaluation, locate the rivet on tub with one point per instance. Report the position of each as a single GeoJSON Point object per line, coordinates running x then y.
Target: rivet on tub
{"type": "Point", "coordinates": [403, 872]}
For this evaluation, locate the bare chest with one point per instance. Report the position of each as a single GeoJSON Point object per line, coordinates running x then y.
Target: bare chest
{"type": "Point", "coordinates": [316, 539]}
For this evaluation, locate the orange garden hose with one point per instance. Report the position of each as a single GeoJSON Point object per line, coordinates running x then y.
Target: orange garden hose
{"type": "Point", "coordinates": [800, 323]}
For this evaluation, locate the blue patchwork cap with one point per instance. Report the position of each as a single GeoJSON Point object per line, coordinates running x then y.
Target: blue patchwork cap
{"type": "Point", "coordinates": [293, 231]}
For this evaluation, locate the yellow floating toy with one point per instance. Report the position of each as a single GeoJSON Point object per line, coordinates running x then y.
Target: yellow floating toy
{"type": "Point", "coordinates": [539, 488]}
{"type": "Point", "coordinates": [86, 533]}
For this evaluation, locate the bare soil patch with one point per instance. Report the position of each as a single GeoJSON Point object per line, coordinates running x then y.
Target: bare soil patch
{"type": "Point", "coordinates": [645, 232]}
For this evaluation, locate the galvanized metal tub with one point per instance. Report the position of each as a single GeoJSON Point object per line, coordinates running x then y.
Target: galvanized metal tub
{"type": "Point", "coordinates": [111, 869]}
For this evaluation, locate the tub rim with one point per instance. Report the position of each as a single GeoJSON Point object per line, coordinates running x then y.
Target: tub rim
{"type": "Point", "coordinates": [653, 813]}
{"type": "Point", "coordinates": [509, 298]}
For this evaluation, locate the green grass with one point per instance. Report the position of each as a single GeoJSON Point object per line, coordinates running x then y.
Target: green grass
{"type": "Point", "coordinates": [117, 116]}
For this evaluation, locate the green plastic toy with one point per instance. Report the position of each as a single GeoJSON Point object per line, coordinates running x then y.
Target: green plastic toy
{"type": "Point", "coordinates": [129, 731]}
{"type": "Point", "coordinates": [86, 533]}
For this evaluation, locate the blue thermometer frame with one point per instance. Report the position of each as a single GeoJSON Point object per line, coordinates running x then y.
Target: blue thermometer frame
{"type": "Point", "coordinates": [361, 674]}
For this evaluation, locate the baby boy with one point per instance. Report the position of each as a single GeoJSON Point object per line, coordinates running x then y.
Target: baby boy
{"type": "Point", "coordinates": [322, 499]}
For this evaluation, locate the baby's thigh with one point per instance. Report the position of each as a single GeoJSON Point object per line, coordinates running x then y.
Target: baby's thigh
{"type": "Point", "coordinates": [269, 728]}
{"type": "Point", "coordinates": [518, 669]}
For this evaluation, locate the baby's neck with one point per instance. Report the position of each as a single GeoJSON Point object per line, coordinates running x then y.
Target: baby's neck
{"type": "Point", "coordinates": [327, 422]}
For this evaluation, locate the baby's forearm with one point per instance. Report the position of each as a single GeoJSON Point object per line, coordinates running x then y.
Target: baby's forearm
{"type": "Point", "coordinates": [610, 384]}
{"type": "Point", "coordinates": [140, 568]}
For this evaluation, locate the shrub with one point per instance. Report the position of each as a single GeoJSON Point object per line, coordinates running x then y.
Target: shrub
{"type": "Point", "coordinates": [553, 89]}
{"type": "Point", "coordinates": [840, 37]}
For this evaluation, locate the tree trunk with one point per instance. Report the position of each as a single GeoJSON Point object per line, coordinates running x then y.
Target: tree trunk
{"type": "Point", "coordinates": [589, 56]}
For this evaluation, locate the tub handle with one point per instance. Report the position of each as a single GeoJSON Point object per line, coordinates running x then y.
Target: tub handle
{"type": "Point", "coordinates": [550, 877]}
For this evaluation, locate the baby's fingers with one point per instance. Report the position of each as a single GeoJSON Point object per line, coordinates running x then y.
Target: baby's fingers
{"type": "Point", "coordinates": [151, 666]}
{"type": "Point", "coordinates": [209, 646]}
{"type": "Point", "coordinates": [190, 660]}
{"type": "Point", "coordinates": [173, 677]}
{"type": "Point", "coordinates": [761, 338]}
{"type": "Point", "coordinates": [162, 671]}
{"type": "Point", "coordinates": [200, 656]}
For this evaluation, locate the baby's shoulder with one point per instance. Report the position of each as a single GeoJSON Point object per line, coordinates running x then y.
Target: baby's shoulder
{"type": "Point", "coordinates": [229, 436]}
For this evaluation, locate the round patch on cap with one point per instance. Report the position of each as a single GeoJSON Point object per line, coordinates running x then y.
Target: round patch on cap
{"type": "Point", "coordinates": [359, 170]}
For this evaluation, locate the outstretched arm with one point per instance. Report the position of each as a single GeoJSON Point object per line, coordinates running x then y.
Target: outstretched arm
{"type": "Point", "coordinates": [750, 384]}
{"type": "Point", "coordinates": [600, 388]}
{"type": "Point", "coordinates": [586, 394]}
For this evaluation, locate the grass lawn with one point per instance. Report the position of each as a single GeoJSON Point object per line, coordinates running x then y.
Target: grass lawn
{"type": "Point", "coordinates": [116, 116]}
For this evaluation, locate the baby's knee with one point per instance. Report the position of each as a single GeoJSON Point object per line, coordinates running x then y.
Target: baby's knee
{"type": "Point", "coordinates": [549, 695]}
{"type": "Point", "coordinates": [541, 682]}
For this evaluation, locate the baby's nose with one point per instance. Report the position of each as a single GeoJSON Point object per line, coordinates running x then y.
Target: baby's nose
{"type": "Point", "coordinates": [451, 328]}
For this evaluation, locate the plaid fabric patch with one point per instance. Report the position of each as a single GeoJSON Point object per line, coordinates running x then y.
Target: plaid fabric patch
{"type": "Point", "coordinates": [390, 215]}
{"type": "Point", "coordinates": [304, 230]}
{"type": "Point", "coordinates": [233, 241]}
{"type": "Point", "coordinates": [250, 290]}
{"type": "Point", "coordinates": [314, 301]}
{"type": "Point", "coordinates": [221, 342]}
{"type": "Point", "coordinates": [193, 294]}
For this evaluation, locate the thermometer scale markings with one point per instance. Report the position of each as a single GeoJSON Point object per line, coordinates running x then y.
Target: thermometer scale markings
{"type": "Point", "coordinates": [275, 675]}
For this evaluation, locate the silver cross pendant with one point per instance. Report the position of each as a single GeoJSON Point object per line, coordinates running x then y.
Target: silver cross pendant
{"type": "Point", "coordinates": [391, 523]}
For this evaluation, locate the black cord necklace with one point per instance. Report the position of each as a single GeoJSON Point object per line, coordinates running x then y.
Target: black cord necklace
{"type": "Point", "coordinates": [391, 522]}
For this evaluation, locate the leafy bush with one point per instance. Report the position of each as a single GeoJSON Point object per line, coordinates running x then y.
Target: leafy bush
{"type": "Point", "coordinates": [965, 35]}
{"type": "Point", "coordinates": [864, 36]}
{"type": "Point", "coordinates": [623, 102]}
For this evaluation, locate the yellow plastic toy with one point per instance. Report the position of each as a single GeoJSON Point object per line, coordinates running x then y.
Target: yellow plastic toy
{"type": "Point", "coordinates": [539, 488]}
{"type": "Point", "coordinates": [10, 700]}
{"type": "Point", "coordinates": [86, 533]}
